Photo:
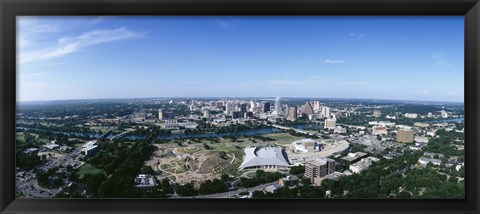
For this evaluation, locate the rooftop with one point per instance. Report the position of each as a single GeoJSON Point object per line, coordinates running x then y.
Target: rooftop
{"type": "Point", "coordinates": [255, 156]}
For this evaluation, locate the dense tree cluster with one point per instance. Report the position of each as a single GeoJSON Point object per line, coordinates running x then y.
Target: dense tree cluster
{"type": "Point", "coordinates": [444, 144]}
{"type": "Point", "coordinates": [150, 133]}
{"type": "Point", "coordinates": [213, 186]}
{"type": "Point", "coordinates": [297, 170]}
{"type": "Point", "coordinates": [186, 190]}
{"type": "Point", "coordinates": [27, 160]}
{"type": "Point", "coordinates": [50, 178]}
{"type": "Point", "coordinates": [385, 179]}
{"type": "Point", "coordinates": [262, 138]}
{"type": "Point", "coordinates": [233, 128]}
{"type": "Point", "coordinates": [122, 161]}
{"type": "Point", "coordinates": [260, 177]}
{"type": "Point", "coordinates": [298, 134]}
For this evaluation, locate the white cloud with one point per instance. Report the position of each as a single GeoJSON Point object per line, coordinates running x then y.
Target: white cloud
{"type": "Point", "coordinates": [56, 64]}
{"type": "Point", "coordinates": [359, 35]}
{"type": "Point", "coordinates": [440, 58]}
{"type": "Point", "coordinates": [35, 85]}
{"type": "Point", "coordinates": [426, 92]}
{"type": "Point", "coordinates": [282, 82]}
{"type": "Point", "coordinates": [192, 82]}
{"type": "Point", "coordinates": [45, 28]}
{"type": "Point", "coordinates": [99, 19]}
{"type": "Point", "coordinates": [225, 25]}
{"type": "Point", "coordinates": [22, 42]}
{"type": "Point", "coordinates": [316, 78]}
{"type": "Point", "coordinates": [334, 61]}
{"type": "Point", "coordinates": [30, 76]}
{"type": "Point", "coordinates": [451, 93]}
{"type": "Point", "coordinates": [67, 45]}
{"type": "Point", "coordinates": [354, 83]}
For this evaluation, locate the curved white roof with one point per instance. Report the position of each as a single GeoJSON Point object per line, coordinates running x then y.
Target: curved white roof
{"type": "Point", "coordinates": [263, 156]}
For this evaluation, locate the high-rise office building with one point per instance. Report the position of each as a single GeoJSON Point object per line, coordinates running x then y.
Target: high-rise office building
{"type": "Point", "coordinates": [404, 135]}
{"type": "Point", "coordinates": [228, 108]}
{"type": "Point", "coordinates": [161, 114]}
{"type": "Point", "coordinates": [266, 107]}
{"type": "Point", "coordinates": [237, 114]}
{"type": "Point", "coordinates": [316, 105]}
{"type": "Point", "coordinates": [318, 168]}
{"type": "Point", "coordinates": [206, 113]}
{"type": "Point", "coordinates": [169, 115]}
{"type": "Point", "coordinates": [326, 112]}
{"type": "Point", "coordinates": [278, 105]}
{"type": "Point", "coordinates": [292, 113]}
{"type": "Point", "coordinates": [253, 105]}
{"type": "Point", "coordinates": [243, 107]}
{"type": "Point", "coordinates": [307, 110]}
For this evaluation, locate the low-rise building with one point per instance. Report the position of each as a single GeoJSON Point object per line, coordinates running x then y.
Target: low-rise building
{"type": "Point", "coordinates": [144, 180]}
{"type": "Point", "coordinates": [272, 188]}
{"type": "Point", "coordinates": [425, 161]}
{"type": "Point", "coordinates": [443, 114]}
{"type": "Point", "coordinates": [30, 150]}
{"type": "Point", "coordinates": [423, 125]}
{"type": "Point", "coordinates": [391, 117]}
{"type": "Point", "coordinates": [417, 146]}
{"type": "Point", "coordinates": [330, 123]}
{"type": "Point", "coordinates": [429, 115]}
{"type": "Point", "coordinates": [379, 130]}
{"type": "Point", "coordinates": [51, 146]}
{"type": "Point", "coordinates": [433, 155]}
{"type": "Point", "coordinates": [352, 158]}
{"type": "Point", "coordinates": [421, 139]}
{"type": "Point", "coordinates": [339, 130]}
{"type": "Point", "coordinates": [306, 145]}
{"type": "Point", "coordinates": [90, 148]}
{"type": "Point", "coordinates": [432, 133]}
{"type": "Point", "coordinates": [411, 115]}
{"type": "Point", "coordinates": [333, 176]}
{"type": "Point", "coordinates": [363, 164]}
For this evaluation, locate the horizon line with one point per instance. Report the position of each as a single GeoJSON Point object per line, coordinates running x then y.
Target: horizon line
{"type": "Point", "coordinates": [258, 97]}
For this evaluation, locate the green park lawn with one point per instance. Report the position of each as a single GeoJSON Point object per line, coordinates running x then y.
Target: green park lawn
{"type": "Point", "coordinates": [88, 169]}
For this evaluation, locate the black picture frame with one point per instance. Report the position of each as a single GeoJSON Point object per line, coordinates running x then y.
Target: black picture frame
{"type": "Point", "coordinates": [9, 9]}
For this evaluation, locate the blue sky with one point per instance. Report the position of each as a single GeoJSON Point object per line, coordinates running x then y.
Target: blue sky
{"type": "Point", "coordinates": [379, 57]}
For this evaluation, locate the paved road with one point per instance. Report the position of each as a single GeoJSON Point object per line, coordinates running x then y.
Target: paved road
{"type": "Point", "coordinates": [236, 192]}
{"type": "Point", "coordinates": [29, 184]}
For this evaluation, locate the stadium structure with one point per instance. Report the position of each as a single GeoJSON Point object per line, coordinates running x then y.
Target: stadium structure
{"type": "Point", "coordinates": [264, 158]}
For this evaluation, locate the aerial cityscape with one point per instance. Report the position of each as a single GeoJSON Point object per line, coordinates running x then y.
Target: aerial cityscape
{"type": "Point", "coordinates": [99, 118]}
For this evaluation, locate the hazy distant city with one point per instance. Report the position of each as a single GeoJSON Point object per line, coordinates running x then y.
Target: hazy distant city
{"type": "Point", "coordinates": [240, 148]}
{"type": "Point", "coordinates": [240, 107]}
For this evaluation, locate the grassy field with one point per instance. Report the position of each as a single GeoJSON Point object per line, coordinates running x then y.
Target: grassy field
{"type": "Point", "coordinates": [20, 136]}
{"type": "Point", "coordinates": [88, 169]}
{"type": "Point", "coordinates": [44, 140]}
{"type": "Point", "coordinates": [100, 128]}
{"type": "Point", "coordinates": [190, 150]}
{"type": "Point", "coordinates": [282, 137]}
{"type": "Point", "coordinates": [19, 195]}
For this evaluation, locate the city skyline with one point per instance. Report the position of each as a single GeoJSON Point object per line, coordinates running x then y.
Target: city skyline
{"type": "Point", "coordinates": [395, 58]}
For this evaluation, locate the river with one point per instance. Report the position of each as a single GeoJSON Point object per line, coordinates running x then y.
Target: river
{"type": "Point", "coordinates": [250, 132]}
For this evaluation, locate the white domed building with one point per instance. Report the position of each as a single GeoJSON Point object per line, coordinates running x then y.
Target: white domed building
{"type": "Point", "coordinates": [264, 158]}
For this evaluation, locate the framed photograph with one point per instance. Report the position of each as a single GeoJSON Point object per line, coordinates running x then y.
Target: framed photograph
{"type": "Point", "coordinates": [239, 107]}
